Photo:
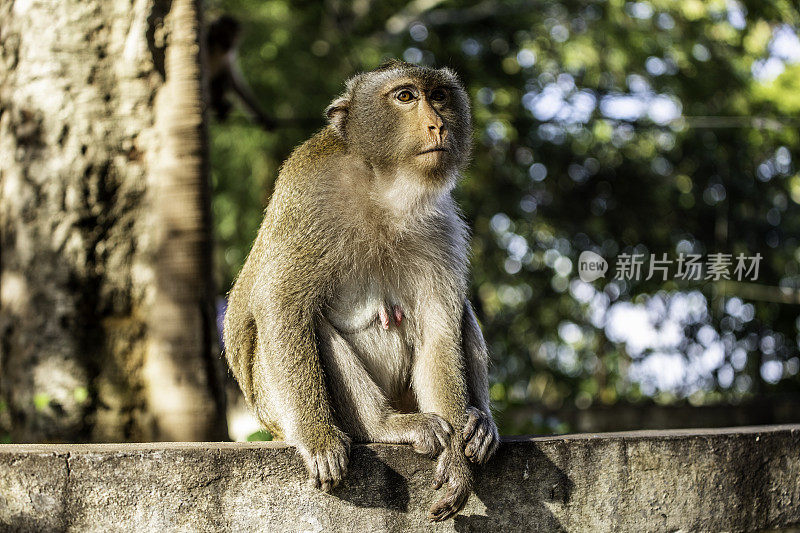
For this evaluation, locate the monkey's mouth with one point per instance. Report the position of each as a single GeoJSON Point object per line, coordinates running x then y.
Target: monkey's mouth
{"type": "Point", "coordinates": [434, 149]}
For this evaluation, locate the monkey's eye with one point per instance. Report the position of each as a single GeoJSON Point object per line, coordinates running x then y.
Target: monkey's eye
{"type": "Point", "coordinates": [405, 95]}
{"type": "Point", "coordinates": [438, 95]}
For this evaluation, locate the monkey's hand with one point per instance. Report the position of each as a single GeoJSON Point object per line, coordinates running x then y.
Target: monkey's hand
{"type": "Point", "coordinates": [326, 457]}
{"type": "Point", "coordinates": [428, 433]}
{"type": "Point", "coordinates": [480, 436]}
{"type": "Point", "coordinates": [432, 434]}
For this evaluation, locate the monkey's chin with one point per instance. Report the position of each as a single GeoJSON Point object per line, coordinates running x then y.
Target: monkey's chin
{"type": "Point", "coordinates": [434, 166]}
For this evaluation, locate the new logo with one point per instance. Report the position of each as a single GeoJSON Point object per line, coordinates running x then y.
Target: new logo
{"type": "Point", "coordinates": [591, 266]}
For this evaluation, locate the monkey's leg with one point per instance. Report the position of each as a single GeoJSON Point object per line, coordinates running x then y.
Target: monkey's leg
{"type": "Point", "coordinates": [363, 411]}
{"type": "Point", "coordinates": [440, 385]}
{"type": "Point", "coordinates": [289, 391]}
{"type": "Point", "coordinates": [480, 432]}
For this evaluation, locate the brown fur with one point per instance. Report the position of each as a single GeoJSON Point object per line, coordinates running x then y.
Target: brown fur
{"type": "Point", "coordinates": [360, 221]}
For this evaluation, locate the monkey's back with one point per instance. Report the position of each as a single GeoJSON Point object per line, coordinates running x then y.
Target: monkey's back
{"type": "Point", "coordinates": [290, 239]}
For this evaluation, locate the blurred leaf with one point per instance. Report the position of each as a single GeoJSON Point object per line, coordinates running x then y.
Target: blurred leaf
{"type": "Point", "coordinates": [41, 401]}
{"type": "Point", "coordinates": [260, 435]}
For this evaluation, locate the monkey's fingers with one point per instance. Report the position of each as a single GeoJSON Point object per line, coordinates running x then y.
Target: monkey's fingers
{"type": "Point", "coordinates": [452, 502]}
{"type": "Point", "coordinates": [472, 423]}
{"type": "Point", "coordinates": [480, 436]}
{"type": "Point", "coordinates": [429, 442]}
{"type": "Point", "coordinates": [445, 425]}
{"type": "Point", "coordinates": [313, 472]}
{"type": "Point", "coordinates": [442, 468]}
{"type": "Point", "coordinates": [476, 441]}
{"type": "Point", "coordinates": [335, 469]}
{"type": "Point", "coordinates": [343, 459]}
{"type": "Point", "coordinates": [325, 479]}
{"type": "Point", "coordinates": [327, 469]}
{"type": "Point", "coordinates": [442, 430]}
{"type": "Point", "coordinates": [485, 449]}
{"type": "Point", "coordinates": [492, 448]}
{"type": "Point", "coordinates": [443, 438]}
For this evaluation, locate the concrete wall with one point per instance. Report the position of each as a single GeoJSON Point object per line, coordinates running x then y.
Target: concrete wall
{"type": "Point", "coordinates": [623, 416]}
{"type": "Point", "coordinates": [740, 479]}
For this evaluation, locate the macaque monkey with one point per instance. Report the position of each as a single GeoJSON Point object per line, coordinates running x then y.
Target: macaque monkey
{"type": "Point", "coordinates": [224, 74]}
{"type": "Point", "coordinates": [350, 320]}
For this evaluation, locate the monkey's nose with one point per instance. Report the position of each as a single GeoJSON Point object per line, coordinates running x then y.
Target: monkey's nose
{"type": "Point", "coordinates": [436, 130]}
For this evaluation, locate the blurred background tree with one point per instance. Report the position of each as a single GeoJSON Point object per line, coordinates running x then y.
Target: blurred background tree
{"type": "Point", "coordinates": [106, 310]}
{"type": "Point", "coordinates": [652, 127]}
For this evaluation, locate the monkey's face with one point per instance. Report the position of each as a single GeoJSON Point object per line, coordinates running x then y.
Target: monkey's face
{"type": "Point", "coordinates": [410, 118]}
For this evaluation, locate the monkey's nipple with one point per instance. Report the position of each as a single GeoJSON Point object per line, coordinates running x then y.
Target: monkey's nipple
{"type": "Point", "coordinates": [385, 319]}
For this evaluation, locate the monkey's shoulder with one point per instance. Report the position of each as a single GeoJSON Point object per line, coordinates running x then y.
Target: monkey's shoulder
{"type": "Point", "coordinates": [313, 157]}
{"type": "Point", "coordinates": [298, 197]}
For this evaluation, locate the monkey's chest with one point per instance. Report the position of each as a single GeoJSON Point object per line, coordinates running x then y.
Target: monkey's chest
{"type": "Point", "coordinates": [374, 320]}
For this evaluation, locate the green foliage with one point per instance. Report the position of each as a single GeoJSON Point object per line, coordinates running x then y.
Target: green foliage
{"type": "Point", "coordinates": [260, 435]}
{"type": "Point", "coordinates": [41, 401]}
{"type": "Point", "coordinates": [81, 394]}
{"type": "Point", "coordinates": [547, 183]}
{"type": "Point", "coordinates": [783, 93]}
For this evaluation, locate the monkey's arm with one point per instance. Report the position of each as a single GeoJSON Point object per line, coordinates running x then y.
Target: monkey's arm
{"type": "Point", "coordinates": [287, 378]}
{"type": "Point", "coordinates": [481, 437]}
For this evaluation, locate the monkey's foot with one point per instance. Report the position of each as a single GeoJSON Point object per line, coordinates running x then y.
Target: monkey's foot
{"type": "Point", "coordinates": [327, 464]}
{"type": "Point", "coordinates": [480, 436]}
{"type": "Point", "coordinates": [387, 314]}
{"type": "Point", "coordinates": [459, 485]}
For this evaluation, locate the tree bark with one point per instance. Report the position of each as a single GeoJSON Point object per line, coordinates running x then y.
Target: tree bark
{"type": "Point", "coordinates": [106, 296]}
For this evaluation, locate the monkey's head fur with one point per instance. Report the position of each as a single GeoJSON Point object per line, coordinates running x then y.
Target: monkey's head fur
{"type": "Point", "coordinates": [406, 116]}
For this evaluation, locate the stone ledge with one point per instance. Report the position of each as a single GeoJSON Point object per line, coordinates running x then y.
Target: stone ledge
{"type": "Point", "coordinates": [738, 479]}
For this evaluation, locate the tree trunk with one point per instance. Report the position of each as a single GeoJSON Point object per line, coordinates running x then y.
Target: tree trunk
{"type": "Point", "coordinates": [106, 297]}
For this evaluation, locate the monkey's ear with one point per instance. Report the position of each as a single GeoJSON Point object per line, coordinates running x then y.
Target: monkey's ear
{"type": "Point", "coordinates": [337, 113]}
